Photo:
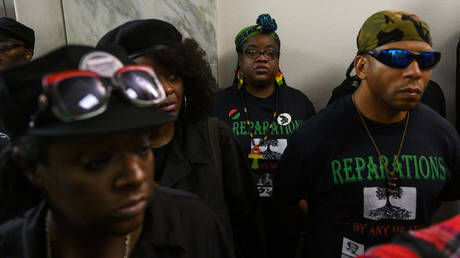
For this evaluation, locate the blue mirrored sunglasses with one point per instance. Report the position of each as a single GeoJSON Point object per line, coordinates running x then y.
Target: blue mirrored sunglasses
{"type": "Point", "coordinates": [400, 58]}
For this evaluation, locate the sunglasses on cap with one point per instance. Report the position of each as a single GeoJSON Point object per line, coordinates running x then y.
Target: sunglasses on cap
{"type": "Point", "coordinates": [82, 94]}
{"type": "Point", "coordinates": [400, 58]}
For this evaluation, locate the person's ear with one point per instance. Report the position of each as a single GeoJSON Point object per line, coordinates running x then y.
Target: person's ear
{"type": "Point", "coordinates": [240, 59]}
{"type": "Point", "coordinates": [31, 169]}
{"type": "Point", "coordinates": [29, 54]}
{"type": "Point", "coordinates": [361, 64]}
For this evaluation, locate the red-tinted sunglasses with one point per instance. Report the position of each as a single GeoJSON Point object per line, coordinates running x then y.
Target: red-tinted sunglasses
{"type": "Point", "coordinates": [82, 94]}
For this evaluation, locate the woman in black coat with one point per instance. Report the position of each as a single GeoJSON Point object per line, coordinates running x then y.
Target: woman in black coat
{"type": "Point", "coordinates": [196, 153]}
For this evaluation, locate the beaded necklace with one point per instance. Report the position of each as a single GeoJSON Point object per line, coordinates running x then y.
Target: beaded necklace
{"type": "Point", "coordinates": [255, 150]}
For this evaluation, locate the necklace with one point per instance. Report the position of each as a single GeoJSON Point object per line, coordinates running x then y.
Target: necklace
{"type": "Point", "coordinates": [391, 178]}
{"type": "Point", "coordinates": [245, 110]}
{"type": "Point", "coordinates": [255, 150]}
{"type": "Point", "coordinates": [255, 154]}
{"type": "Point", "coordinates": [49, 251]}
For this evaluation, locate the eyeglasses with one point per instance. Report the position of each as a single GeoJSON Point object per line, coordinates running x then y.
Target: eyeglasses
{"type": "Point", "coordinates": [82, 94]}
{"type": "Point", "coordinates": [400, 58]}
{"type": "Point", "coordinates": [254, 53]}
{"type": "Point", "coordinates": [9, 45]}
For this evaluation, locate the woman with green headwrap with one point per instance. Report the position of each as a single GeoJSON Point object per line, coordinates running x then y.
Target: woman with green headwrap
{"type": "Point", "coordinates": [263, 112]}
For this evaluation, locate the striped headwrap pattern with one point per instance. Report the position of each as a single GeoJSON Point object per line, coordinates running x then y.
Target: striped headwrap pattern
{"type": "Point", "coordinates": [264, 24]}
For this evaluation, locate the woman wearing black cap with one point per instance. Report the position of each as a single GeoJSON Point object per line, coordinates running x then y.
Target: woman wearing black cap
{"type": "Point", "coordinates": [186, 157]}
{"type": "Point", "coordinates": [78, 123]}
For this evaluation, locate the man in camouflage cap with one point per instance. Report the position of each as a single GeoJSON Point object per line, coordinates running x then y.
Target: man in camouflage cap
{"type": "Point", "coordinates": [376, 162]}
{"type": "Point", "coordinates": [391, 26]}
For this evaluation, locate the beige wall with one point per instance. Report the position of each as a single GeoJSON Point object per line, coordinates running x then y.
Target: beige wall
{"type": "Point", "coordinates": [45, 17]}
{"type": "Point", "coordinates": [318, 38]}
{"type": "Point", "coordinates": [57, 22]}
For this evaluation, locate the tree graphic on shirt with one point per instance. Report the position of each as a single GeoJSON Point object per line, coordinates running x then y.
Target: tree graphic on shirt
{"type": "Point", "coordinates": [388, 211]}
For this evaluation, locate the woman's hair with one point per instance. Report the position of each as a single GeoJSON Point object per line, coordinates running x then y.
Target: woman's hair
{"type": "Point", "coordinates": [17, 193]}
{"type": "Point", "coordinates": [188, 61]}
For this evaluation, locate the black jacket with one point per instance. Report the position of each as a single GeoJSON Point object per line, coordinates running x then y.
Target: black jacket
{"type": "Point", "coordinates": [177, 225]}
{"type": "Point", "coordinates": [190, 166]}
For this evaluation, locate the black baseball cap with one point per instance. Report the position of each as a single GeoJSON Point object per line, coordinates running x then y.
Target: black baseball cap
{"type": "Point", "coordinates": [138, 37]}
{"type": "Point", "coordinates": [21, 86]}
{"type": "Point", "coordinates": [19, 31]}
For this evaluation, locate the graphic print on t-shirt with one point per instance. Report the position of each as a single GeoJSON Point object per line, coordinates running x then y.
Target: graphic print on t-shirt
{"type": "Point", "coordinates": [264, 157]}
{"type": "Point", "coordinates": [234, 114]}
{"type": "Point", "coordinates": [270, 153]}
{"type": "Point", "coordinates": [264, 184]}
{"type": "Point", "coordinates": [399, 205]}
{"type": "Point", "coordinates": [351, 248]}
{"type": "Point", "coordinates": [284, 119]}
{"type": "Point", "coordinates": [271, 149]}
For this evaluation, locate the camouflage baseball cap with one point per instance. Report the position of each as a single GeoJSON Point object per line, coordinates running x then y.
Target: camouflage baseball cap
{"type": "Point", "coordinates": [391, 26]}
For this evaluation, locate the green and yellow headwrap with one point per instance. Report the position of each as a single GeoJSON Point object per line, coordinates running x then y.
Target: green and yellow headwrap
{"type": "Point", "coordinates": [264, 24]}
{"type": "Point", "coordinates": [391, 26]}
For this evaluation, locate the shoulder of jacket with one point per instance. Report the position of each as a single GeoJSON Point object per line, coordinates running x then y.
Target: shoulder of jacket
{"type": "Point", "coordinates": [180, 199]}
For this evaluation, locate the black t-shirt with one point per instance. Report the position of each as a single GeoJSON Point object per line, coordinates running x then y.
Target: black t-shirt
{"type": "Point", "coordinates": [331, 162]}
{"type": "Point", "coordinates": [293, 109]}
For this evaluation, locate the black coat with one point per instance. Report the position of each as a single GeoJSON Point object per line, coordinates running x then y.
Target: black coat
{"type": "Point", "coordinates": [177, 225]}
{"type": "Point", "coordinates": [190, 166]}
